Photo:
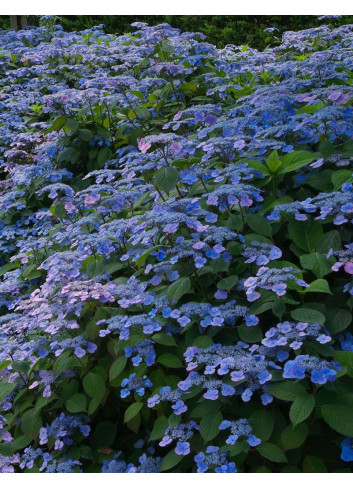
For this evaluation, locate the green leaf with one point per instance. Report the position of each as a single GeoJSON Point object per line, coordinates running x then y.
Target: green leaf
{"type": "Point", "coordinates": [301, 408]}
{"type": "Point", "coordinates": [340, 177]}
{"type": "Point", "coordinates": [179, 288]}
{"type": "Point", "coordinates": [203, 341]}
{"type": "Point", "coordinates": [163, 339]}
{"type": "Point", "coordinates": [93, 405]}
{"type": "Point", "coordinates": [71, 124]}
{"type": "Point", "coordinates": [94, 385]}
{"type": "Point", "coordinates": [273, 162]}
{"type": "Point", "coordinates": [305, 234]}
{"type": "Point", "coordinates": [85, 134]}
{"type": "Point", "coordinates": [287, 390]}
{"type": "Point", "coordinates": [142, 258]}
{"type": "Point", "coordinates": [294, 161]}
{"type": "Point", "coordinates": [209, 426]}
{"type": "Point", "coordinates": [259, 224]}
{"type": "Point", "coordinates": [272, 452]}
{"type": "Point", "coordinates": [132, 411]}
{"type": "Point", "coordinates": [313, 464]}
{"type": "Point", "coordinates": [58, 124]}
{"type": "Point", "coordinates": [6, 388]}
{"type": "Point", "coordinates": [188, 87]}
{"type": "Point", "coordinates": [345, 359]}
{"type": "Point", "coordinates": [339, 418]}
{"type": "Point", "coordinates": [76, 403]}
{"type": "Point", "coordinates": [338, 320]}
{"type": "Point", "coordinates": [31, 423]}
{"type": "Point", "coordinates": [6, 449]}
{"type": "Point", "coordinates": [204, 408]}
{"type": "Point", "coordinates": [170, 460]}
{"type": "Point", "coordinates": [159, 428]}
{"type": "Point", "coordinates": [294, 437]}
{"type": "Point", "coordinates": [320, 285]}
{"type": "Point", "coordinates": [170, 360]}
{"type": "Point", "coordinates": [103, 435]}
{"type": "Point", "coordinates": [234, 247]}
{"type": "Point", "coordinates": [262, 423]}
{"type": "Point", "coordinates": [104, 154]}
{"type": "Point", "coordinates": [317, 263]}
{"type": "Point", "coordinates": [117, 367]}
{"type": "Point", "coordinates": [166, 178]}
{"type": "Point", "coordinates": [250, 334]}
{"type": "Point", "coordinates": [63, 362]}
{"type": "Point", "coordinates": [228, 283]}
{"type": "Point", "coordinates": [321, 181]}
{"type": "Point", "coordinates": [306, 315]}
{"type": "Point", "coordinates": [4, 364]}
{"type": "Point", "coordinates": [329, 240]}
{"type": "Point", "coordinates": [20, 442]}
{"type": "Point", "coordinates": [19, 366]}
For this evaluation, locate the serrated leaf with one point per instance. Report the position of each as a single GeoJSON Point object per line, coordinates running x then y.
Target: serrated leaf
{"type": "Point", "coordinates": [170, 460]}
{"type": "Point", "coordinates": [76, 403]}
{"type": "Point", "coordinates": [170, 360]}
{"type": "Point", "coordinates": [307, 315]}
{"type": "Point", "coordinates": [20, 442]}
{"type": "Point", "coordinates": [159, 428]}
{"type": "Point", "coordinates": [228, 283]}
{"type": "Point", "coordinates": [94, 385]}
{"type": "Point", "coordinates": [330, 240]}
{"type": "Point", "coordinates": [294, 437]}
{"type": "Point", "coordinates": [117, 367]}
{"type": "Point", "coordinates": [209, 426]}
{"type": "Point", "coordinates": [338, 320]}
{"type": "Point", "coordinates": [132, 411]}
{"type": "Point", "coordinates": [259, 224]}
{"type": "Point", "coordinates": [166, 178]}
{"type": "Point", "coordinates": [287, 390]}
{"type": "Point", "coordinates": [262, 423]}
{"type": "Point", "coordinates": [163, 339]}
{"type": "Point", "coordinates": [179, 288]}
{"type": "Point", "coordinates": [31, 423]}
{"type": "Point", "coordinates": [6, 388]}
{"type": "Point", "coordinates": [305, 234]}
{"type": "Point", "coordinates": [339, 418]}
{"type": "Point", "coordinates": [317, 263]}
{"type": "Point", "coordinates": [272, 452]}
{"type": "Point", "coordinates": [294, 161]}
{"type": "Point", "coordinates": [301, 408]}
{"type": "Point", "coordinates": [320, 286]}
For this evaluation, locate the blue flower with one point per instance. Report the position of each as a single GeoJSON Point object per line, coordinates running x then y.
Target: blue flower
{"type": "Point", "coordinates": [182, 448]}
{"type": "Point", "coordinates": [347, 450]}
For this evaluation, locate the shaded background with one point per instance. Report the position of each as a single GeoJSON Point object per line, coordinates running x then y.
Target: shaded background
{"type": "Point", "coordinates": [219, 29]}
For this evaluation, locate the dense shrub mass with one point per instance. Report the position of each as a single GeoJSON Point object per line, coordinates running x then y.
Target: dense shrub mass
{"type": "Point", "coordinates": [258, 31]}
{"type": "Point", "coordinates": [176, 252]}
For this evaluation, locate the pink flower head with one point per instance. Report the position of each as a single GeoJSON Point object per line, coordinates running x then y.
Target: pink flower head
{"type": "Point", "coordinates": [338, 98]}
{"type": "Point", "coordinates": [239, 144]}
{"type": "Point", "coordinates": [176, 147]}
{"type": "Point", "coordinates": [143, 145]}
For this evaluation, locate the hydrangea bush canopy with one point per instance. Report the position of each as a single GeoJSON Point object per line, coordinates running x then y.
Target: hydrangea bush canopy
{"type": "Point", "coordinates": [176, 252]}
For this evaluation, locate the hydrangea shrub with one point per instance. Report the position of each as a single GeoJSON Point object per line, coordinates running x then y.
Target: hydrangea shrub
{"type": "Point", "coordinates": [176, 252]}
